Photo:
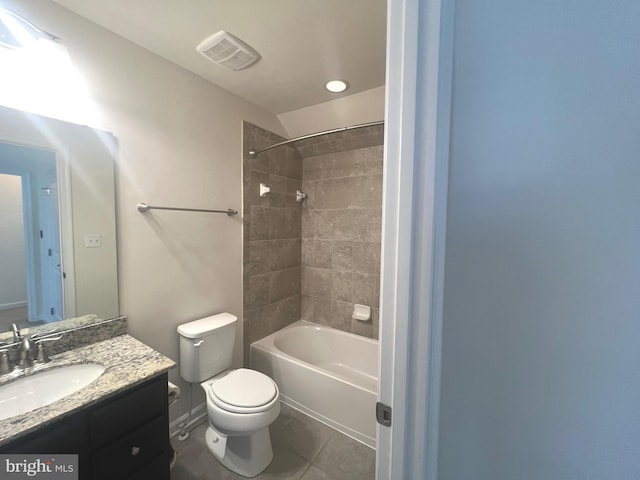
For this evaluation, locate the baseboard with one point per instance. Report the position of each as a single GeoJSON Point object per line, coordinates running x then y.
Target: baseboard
{"type": "Point", "coordinates": [198, 416]}
{"type": "Point", "coordinates": [7, 306]}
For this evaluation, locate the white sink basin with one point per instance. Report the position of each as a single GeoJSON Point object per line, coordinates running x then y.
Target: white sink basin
{"type": "Point", "coordinates": [42, 388]}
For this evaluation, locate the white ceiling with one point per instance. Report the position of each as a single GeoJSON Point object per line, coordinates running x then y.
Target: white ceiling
{"type": "Point", "coordinates": [303, 43]}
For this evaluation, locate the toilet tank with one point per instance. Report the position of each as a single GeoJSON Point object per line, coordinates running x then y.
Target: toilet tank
{"type": "Point", "coordinates": [206, 346]}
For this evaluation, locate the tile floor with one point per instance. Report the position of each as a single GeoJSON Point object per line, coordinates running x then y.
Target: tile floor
{"type": "Point", "coordinates": [303, 449]}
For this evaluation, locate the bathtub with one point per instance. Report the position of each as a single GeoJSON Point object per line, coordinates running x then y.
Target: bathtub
{"type": "Point", "coordinates": [326, 373]}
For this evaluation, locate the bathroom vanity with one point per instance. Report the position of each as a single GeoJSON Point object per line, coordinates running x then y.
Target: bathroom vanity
{"type": "Point", "coordinates": [118, 424]}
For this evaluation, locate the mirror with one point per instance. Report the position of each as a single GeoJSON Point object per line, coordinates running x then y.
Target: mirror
{"type": "Point", "coordinates": [57, 223]}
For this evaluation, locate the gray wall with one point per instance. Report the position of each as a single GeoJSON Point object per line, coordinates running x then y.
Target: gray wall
{"type": "Point", "coordinates": [271, 240]}
{"type": "Point", "coordinates": [542, 312]}
{"type": "Point", "coordinates": [341, 228]}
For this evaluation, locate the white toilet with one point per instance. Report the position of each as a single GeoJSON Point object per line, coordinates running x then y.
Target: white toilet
{"type": "Point", "coordinates": [241, 403]}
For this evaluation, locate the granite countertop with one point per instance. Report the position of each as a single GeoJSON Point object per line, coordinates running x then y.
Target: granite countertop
{"type": "Point", "coordinates": [128, 362]}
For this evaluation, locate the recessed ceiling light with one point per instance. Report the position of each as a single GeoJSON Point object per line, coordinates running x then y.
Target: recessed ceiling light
{"type": "Point", "coordinates": [336, 86]}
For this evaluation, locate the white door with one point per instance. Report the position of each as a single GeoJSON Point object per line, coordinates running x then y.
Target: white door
{"type": "Point", "coordinates": [419, 58]}
{"type": "Point", "coordinates": [50, 248]}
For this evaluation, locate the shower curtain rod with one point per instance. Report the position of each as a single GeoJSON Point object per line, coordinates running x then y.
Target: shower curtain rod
{"type": "Point", "coordinates": [253, 153]}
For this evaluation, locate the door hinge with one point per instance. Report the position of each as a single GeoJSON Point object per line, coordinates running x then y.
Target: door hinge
{"type": "Point", "coordinates": [50, 252]}
{"type": "Point", "coordinates": [383, 414]}
{"type": "Point", "coordinates": [52, 311]}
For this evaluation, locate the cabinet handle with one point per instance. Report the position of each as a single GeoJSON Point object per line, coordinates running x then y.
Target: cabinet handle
{"type": "Point", "coordinates": [135, 451]}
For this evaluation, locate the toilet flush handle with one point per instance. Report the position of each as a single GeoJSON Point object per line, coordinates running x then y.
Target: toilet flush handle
{"type": "Point", "coordinates": [198, 343]}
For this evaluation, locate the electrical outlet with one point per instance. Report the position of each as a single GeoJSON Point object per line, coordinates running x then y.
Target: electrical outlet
{"type": "Point", "coordinates": [92, 240]}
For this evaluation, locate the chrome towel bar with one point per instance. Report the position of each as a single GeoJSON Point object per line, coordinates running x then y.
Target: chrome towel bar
{"type": "Point", "coordinates": [143, 207]}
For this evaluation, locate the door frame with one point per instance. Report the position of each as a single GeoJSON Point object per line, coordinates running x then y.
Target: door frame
{"type": "Point", "coordinates": [417, 118]}
{"type": "Point", "coordinates": [63, 170]}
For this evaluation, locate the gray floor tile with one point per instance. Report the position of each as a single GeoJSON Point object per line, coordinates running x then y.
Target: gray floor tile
{"type": "Point", "coordinates": [302, 434]}
{"type": "Point", "coordinates": [297, 440]}
{"type": "Point", "coordinates": [286, 465]}
{"type": "Point", "coordinates": [345, 458]}
{"type": "Point", "coordinates": [314, 473]}
{"type": "Point", "coordinates": [287, 414]}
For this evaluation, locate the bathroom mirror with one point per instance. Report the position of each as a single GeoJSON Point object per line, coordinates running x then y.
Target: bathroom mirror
{"type": "Point", "coordinates": [57, 223]}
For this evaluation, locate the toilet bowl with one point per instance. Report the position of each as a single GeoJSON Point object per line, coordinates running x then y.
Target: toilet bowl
{"type": "Point", "coordinates": [241, 403]}
{"type": "Point", "coordinates": [239, 417]}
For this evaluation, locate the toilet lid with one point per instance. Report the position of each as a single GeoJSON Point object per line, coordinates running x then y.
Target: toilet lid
{"type": "Point", "coordinates": [245, 388]}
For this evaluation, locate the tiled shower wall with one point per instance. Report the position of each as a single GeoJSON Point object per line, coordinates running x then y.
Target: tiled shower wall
{"type": "Point", "coordinates": [272, 226]}
{"type": "Point", "coordinates": [341, 228]}
{"type": "Point", "coordinates": [328, 247]}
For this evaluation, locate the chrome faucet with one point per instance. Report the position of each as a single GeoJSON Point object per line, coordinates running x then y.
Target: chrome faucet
{"type": "Point", "coordinates": [31, 350]}
{"type": "Point", "coordinates": [41, 353]}
{"type": "Point", "coordinates": [25, 356]}
{"type": "Point", "coordinates": [5, 367]}
{"type": "Point", "coordinates": [17, 336]}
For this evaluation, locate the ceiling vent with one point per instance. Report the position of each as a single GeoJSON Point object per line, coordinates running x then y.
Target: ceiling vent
{"type": "Point", "coordinates": [226, 50]}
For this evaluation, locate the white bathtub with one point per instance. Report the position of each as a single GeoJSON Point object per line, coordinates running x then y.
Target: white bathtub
{"type": "Point", "coordinates": [326, 373]}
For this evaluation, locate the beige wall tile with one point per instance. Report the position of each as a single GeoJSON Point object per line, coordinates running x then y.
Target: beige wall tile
{"type": "Point", "coordinates": [322, 251]}
{"type": "Point", "coordinates": [331, 241]}
{"type": "Point", "coordinates": [321, 282]}
{"type": "Point", "coordinates": [284, 283]}
{"type": "Point", "coordinates": [342, 286]}
{"type": "Point", "coordinates": [306, 280]}
{"type": "Point", "coordinates": [345, 212]}
{"type": "Point", "coordinates": [324, 224]}
{"type": "Point", "coordinates": [366, 257]}
{"type": "Point", "coordinates": [272, 236]}
{"type": "Point", "coordinates": [362, 328]}
{"type": "Point", "coordinates": [307, 251]}
{"type": "Point", "coordinates": [342, 312]}
{"type": "Point", "coordinates": [284, 253]}
{"type": "Point", "coordinates": [366, 225]}
{"type": "Point", "coordinates": [357, 192]}
{"type": "Point", "coordinates": [306, 307]}
{"type": "Point", "coordinates": [324, 194]}
{"type": "Point", "coordinates": [365, 288]}
{"type": "Point", "coordinates": [342, 255]}
{"type": "Point", "coordinates": [258, 295]}
{"type": "Point", "coordinates": [259, 257]}
{"type": "Point", "coordinates": [260, 223]}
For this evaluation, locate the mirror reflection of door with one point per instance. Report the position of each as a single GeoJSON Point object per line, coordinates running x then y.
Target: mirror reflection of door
{"type": "Point", "coordinates": [31, 278]}
{"type": "Point", "coordinates": [50, 247]}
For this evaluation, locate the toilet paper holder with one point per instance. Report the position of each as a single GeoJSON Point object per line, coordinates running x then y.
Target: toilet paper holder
{"type": "Point", "coordinates": [173, 393]}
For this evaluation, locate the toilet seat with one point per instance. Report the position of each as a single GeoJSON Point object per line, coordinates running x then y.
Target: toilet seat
{"type": "Point", "coordinates": [243, 391]}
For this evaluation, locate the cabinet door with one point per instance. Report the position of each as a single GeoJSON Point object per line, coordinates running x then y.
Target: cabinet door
{"type": "Point", "coordinates": [115, 418]}
{"type": "Point", "coordinates": [130, 453]}
{"type": "Point", "coordinates": [121, 436]}
{"type": "Point", "coordinates": [157, 469]}
{"type": "Point", "coordinates": [65, 436]}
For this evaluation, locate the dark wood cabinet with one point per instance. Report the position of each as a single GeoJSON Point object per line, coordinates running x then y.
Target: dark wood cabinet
{"type": "Point", "coordinates": [123, 437]}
